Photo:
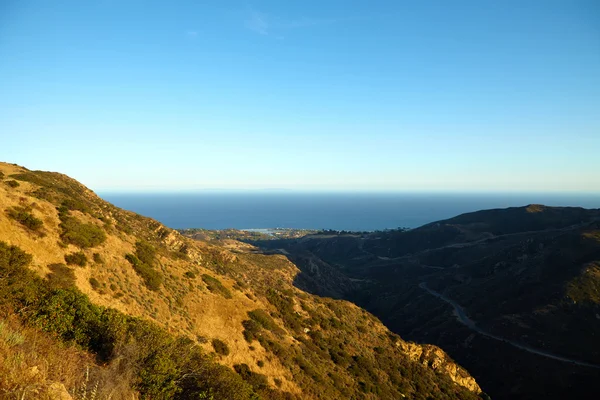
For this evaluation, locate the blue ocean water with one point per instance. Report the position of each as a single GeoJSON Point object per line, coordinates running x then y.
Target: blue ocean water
{"type": "Point", "coordinates": [339, 211]}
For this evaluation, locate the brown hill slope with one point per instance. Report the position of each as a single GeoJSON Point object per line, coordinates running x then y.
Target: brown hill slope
{"type": "Point", "coordinates": [232, 306]}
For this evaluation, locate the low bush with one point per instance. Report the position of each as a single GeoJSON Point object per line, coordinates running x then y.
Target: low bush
{"type": "Point", "coordinates": [80, 234]}
{"type": "Point", "coordinates": [220, 347]}
{"type": "Point", "coordinates": [285, 305]}
{"type": "Point", "coordinates": [75, 204]}
{"type": "Point", "coordinates": [94, 283]}
{"type": "Point", "coordinates": [97, 258]}
{"type": "Point", "coordinates": [258, 381]}
{"type": "Point", "coordinates": [12, 183]}
{"type": "Point", "coordinates": [152, 278]}
{"type": "Point", "coordinates": [61, 276]}
{"type": "Point", "coordinates": [265, 320]}
{"type": "Point", "coordinates": [78, 258]}
{"type": "Point", "coordinates": [23, 216]}
{"type": "Point", "coordinates": [189, 275]}
{"type": "Point", "coordinates": [215, 286]}
{"type": "Point", "coordinates": [251, 330]}
{"type": "Point", "coordinates": [145, 252]}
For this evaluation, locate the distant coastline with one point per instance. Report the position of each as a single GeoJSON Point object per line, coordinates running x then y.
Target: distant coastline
{"type": "Point", "coordinates": [358, 211]}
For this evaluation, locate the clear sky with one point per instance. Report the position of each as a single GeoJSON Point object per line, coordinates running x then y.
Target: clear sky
{"type": "Point", "coordinates": [372, 95]}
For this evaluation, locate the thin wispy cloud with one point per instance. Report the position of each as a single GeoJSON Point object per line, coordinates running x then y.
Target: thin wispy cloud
{"type": "Point", "coordinates": [271, 25]}
{"type": "Point", "coordinates": [192, 34]}
{"type": "Point", "coordinates": [258, 22]}
{"type": "Point", "coordinates": [308, 22]}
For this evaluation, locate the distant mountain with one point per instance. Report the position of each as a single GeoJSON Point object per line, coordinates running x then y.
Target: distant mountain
{"type": "Point", "coordinates": [98, 302]}
{"type": "Point", "coordinates": [513, 294]}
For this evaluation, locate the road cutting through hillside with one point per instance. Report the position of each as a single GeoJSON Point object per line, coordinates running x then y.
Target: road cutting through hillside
{"type": "Point", "coordinates": [461, 316]}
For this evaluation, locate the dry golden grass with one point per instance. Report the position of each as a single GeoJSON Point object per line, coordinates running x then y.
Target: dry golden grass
{"type": "Point", "coordinates": [199, 313]}
{"type": "Point", "coordinates": [535, 208]}
{"type": "Point", "coordinates": [183, 304]}
{"type": "Point", "coordinates": [33, 366]}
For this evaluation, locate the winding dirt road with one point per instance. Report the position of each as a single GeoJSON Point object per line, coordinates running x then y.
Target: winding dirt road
{"type": "Point", "coordinates": [461, 316]}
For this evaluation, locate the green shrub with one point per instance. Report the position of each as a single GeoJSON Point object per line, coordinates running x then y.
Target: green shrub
{"type": "Point", "coordinates": [80, 234]}
{"type": "Point", "coordinates": [97, 258]}
{"type": "Point", "coordinates": [145, 252]}
{"type": "Point", "coordinates": [143, 263]}
{"type": "Point", "coordinates": [190, 275]}
{"type": "Point", "coordinates": [285, 306]}
{"type": "Point", "coordinates": [12, 259]}
{"type": "Point", "coordinates": [2, 175]}
{"type": "Point", "coordinates": [258, 381]}
{"type": "Point", "coordinates": [251, 330]}
{"type": "Point", "coordinates": [23, 216]}
{"type": "Point", "coordinates": [220, 347]}
{"type": "Point", "coordinates": [12, 183]}
{"type": "Point", "coordinates": [15, 278]}
{"type": "Point", "coordinates": [265, 320]}
{"type": "Point", "coordinates": [78, 258]}
{"type": "Point", "coordinates": [215, 286]}
{"type": "Point", "coordinates": [94, 283]}
{"type": "Point", "coordinates": [152, 278]}
{"type": "Point", "coordinates": [75, 204]}
{"type": "Point", "coordinates": [61, 276]}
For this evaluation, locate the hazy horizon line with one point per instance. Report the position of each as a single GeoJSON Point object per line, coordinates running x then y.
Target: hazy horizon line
{"type": "Point", "coordinates": [345, 191]}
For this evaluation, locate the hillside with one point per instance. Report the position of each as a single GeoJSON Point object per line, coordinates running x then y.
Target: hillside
{"type": "Point", "coordinates": [513, 294]}
{"type": "Point", "coordinates": [125, 306]}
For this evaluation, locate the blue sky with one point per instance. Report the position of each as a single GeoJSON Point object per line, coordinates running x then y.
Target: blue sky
{"type": "Point", "coordinates": [314, 95]}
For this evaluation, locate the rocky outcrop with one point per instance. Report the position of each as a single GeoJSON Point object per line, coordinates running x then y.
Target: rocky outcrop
{"type": "Point", "coordinates": [436, 359]}
{"type": "Point", "coordinates": [57, 391]}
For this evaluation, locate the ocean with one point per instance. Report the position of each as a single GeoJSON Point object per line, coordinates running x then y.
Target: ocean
{"type": "Point", "coordinates": [339, 211]}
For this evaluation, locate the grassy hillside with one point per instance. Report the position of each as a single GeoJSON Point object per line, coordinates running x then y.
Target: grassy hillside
{"type": "Point", "coordinates": [157, 314]}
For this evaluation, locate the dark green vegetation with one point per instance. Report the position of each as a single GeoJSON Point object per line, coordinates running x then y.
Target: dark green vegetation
{"type": "Point", "coordinates": [220, 347]}
{"type": "Point", "coordinates": [84, 235]}
{"type": "Point", "coordinates": [157, 363]}
{"type": "Point", "coordinates": [97, 258]}
{"type": "Point", "coordinates": [530, 275]}
{"type": "Point", "coordinates": [143, 263]}
{"type": "Point", "coordinates": [61, 277]}
{"type": "Point", "coordinates": [24, 216]}
{"type": "Point", "coordinates": [259, 320]}
{"type": "Point", "coordinates": [265, 320]}
{"type": "Point", "coordinates": [12, 183]}
{"type": "Point", "coordinates": [253, 378]}
{"type": "Point", "coordinates": [78, 258]}
{"type": "Point", "coordinates": [215, 286]}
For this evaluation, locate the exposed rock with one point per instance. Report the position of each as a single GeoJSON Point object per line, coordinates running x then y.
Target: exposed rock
{"type": "Point", "coordinates": [33, 371]}
{"type": "Point", "coordinates": [435, 358]}
{"type": "Point", "coordinates": [57, 391]}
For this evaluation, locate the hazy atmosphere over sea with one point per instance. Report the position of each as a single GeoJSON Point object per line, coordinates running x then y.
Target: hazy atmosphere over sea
{"type": "Point", "coordinates": [339, 211]}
